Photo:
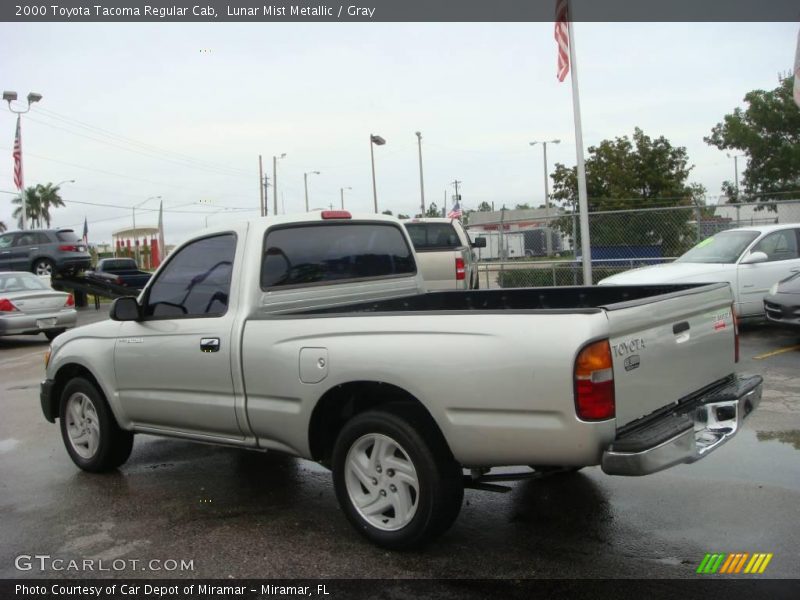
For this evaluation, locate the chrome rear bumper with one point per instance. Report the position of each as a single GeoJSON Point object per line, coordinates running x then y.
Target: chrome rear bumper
{"type": "Point", "coordinates": [687, 434]}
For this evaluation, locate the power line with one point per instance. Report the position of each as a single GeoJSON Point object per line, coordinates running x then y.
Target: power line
{"type": "Point", "coordinates": [150, 147]}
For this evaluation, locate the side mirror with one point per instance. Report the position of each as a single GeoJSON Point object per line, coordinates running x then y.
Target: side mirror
{"type": "Point", "coordinates": [125, 309]}
{"type": "Point", "coordinates": [479, 242]}
{"type": "Point", "coordinates": [755, 257]}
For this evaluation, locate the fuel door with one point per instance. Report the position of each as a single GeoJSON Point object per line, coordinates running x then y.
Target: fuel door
{"type": "Point", "coordinates": [313, 364]}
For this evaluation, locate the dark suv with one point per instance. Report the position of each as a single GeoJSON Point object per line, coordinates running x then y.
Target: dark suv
{"type": "Point", "coordinates": [43, 251]}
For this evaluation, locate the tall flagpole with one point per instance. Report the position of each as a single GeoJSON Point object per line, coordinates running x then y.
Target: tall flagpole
{"type": "Point", "coordinates": [583, 203]}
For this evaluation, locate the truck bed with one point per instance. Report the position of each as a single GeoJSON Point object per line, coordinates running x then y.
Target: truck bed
{"type": "Point", "coordinates": [579, 299]}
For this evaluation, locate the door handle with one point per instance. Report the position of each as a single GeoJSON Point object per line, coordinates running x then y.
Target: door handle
{"type": "Point", "coordinates": [209, 344]}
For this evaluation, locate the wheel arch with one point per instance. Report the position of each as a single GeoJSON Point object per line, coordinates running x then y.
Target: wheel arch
{"type": "Point", "coordinates": [344, 401]}
{"type": "Point", "coordinates": [64, 375]}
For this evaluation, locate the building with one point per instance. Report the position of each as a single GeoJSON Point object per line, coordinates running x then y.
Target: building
{"type": "Point", "coordinates": [533, 224]}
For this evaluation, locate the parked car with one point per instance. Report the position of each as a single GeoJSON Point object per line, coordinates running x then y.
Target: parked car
{"type": "Point", "coordinates": [29, 306]}
{"type": "Point", "coordinates": [44, 252]}
{"type": "Point", "coordinates": [313, 335]}
{"type": "Point", "coordinates": [782, 304]}
{"type": "Point", "coordinates": [750, 259]}
{"type": "Point", "coordinates": [444, 253]}
{"type": "Point", "coordinates": [119, 271]}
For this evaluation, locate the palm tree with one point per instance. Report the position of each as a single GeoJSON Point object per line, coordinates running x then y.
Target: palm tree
{"type": "Point", "coordinates": [2, 227]}
{"type": "Point", "coordinates": [48, 198]}
{"type": "Point", "coordinates": [33, 207]}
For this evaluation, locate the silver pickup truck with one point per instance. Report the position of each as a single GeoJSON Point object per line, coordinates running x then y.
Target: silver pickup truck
{"type": "Point", "coordinates": [312, 335]}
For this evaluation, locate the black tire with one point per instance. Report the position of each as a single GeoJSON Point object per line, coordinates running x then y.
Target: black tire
{"type": "Point", "coordinates": [43, 267]}
{"type": "Point", "coordinates": [441, 487]}
{"type": "Point", "coordinates": [52, 334]}
{"type": "Point", "coordinates": [114, 445]}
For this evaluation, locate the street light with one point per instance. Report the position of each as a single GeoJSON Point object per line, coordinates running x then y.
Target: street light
{"type": "Point", "coordinates": [135, 238]}
{"type": "Point", "coordinates": [275, 160]}
{"type": "Point", "coordinates": [548, 242]}
{"type": "Point", "coordinates": [305, 183]}
{"type": "Point", "coordinates": [421, 182]}
{"type": "Point", "coordinates": [341, 191]}
{"type": "Point", "coordinates": [19, 178]}
{"type": "Point", "coordinates": [60, 183]}
{"type": "Point", "coordinates": [375, 140]}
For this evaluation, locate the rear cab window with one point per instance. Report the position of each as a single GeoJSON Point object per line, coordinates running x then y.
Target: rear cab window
{"type": "Point", "coordinates": [317, 254]}
{"type": "Point", "coordinates": [433, 236]}
{"type": "Point", "coordinates": [67, 235]}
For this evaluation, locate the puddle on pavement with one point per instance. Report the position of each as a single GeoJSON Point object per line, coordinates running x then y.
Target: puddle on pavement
{"type": "Point", "coordinates": [785, 437]}
{"type": "Point", "coordinates": [766, 457]}
{"type": "Point", "coordinates": [8, 445]}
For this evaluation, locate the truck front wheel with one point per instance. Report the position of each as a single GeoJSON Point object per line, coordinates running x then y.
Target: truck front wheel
{"type": "Point", "coordinates": [91, 435]}
{"type": "Point", "coordinates": [395, 478]}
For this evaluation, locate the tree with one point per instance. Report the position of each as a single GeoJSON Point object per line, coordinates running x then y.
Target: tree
{"type": "Point", "coordinates": [33, 207]}
{"type": "Point", "coordinates": [387, 212]}
{"type": "Point", "coordinates": [39, 200]}
{"type": "Point", "coordinates": [48, 198]}
{"type": "Point", "coordinates": [2, 227]}
{"type": "Point", "coordinates": [433, 210]}
{"type": "Point", "coordinates": [633, 173]}
{"type": "Point", "coordinates": [524, 206]}
{"type": "Point", "coordinates": [768, 133]}
{"type": "Point", "coordinates": [402, 216]}
{"type": "Point", "coordinates": [484, 207]}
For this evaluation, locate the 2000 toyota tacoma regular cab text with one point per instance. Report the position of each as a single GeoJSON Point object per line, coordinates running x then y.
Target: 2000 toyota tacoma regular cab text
{"type": "Point", "coordinates": [313, 335]}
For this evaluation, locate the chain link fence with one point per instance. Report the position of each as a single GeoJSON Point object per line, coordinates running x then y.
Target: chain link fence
{"type": "Point", "coordinates": [544, 250]}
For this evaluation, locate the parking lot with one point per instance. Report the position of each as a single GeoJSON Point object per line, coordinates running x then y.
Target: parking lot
{"type": "Point", "coordinates": [239, 514]}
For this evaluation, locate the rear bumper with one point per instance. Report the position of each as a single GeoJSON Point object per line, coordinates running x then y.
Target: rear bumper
{"type": "Point", "coordinates": [11, 324]}
{"type": "Point", "coordinates": [687, 434]}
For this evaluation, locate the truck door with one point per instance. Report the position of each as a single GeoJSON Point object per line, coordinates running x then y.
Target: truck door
{"type": "Point", "coordinates": [173, 367]}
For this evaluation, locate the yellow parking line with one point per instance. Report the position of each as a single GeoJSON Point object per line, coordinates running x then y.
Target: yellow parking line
{"type": "Point", "coordinates": [774, 352]}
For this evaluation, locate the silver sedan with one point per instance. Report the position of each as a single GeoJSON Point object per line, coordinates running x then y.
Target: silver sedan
{"type": "Point", "coordinates": [28, 305]}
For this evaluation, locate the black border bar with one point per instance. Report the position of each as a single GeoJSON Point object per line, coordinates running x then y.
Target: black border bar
{"type": "Point", "coordinates": [278, 11]}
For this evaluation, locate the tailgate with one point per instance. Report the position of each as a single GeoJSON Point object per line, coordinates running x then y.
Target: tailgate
{"type": "Point", "coordinates": [667, 347]}
{"type": "Point", "coordinates": [438, 267]}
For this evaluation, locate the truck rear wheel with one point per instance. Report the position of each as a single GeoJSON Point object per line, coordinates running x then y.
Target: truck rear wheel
{"type": "Point", "coordinates": [395, 478]}
{"type": "Point", "coordinates": [91, 435]}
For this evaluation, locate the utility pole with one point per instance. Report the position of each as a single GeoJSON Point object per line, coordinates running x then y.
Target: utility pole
{"type": "Point", "coordinates": [261, 187]}
{"type": "Point", "coordinates": [421, 180]}
{"type": "Point", "coordinates": [549, 241]}
{"type": "Point", "coordinates": [275, 160]}
{"type": "Point", "coordinates": [341, 192]}
{"type": "Point", "coordinates": [458, 197]}
{"type": "Point", "coordinates": [266, 195]}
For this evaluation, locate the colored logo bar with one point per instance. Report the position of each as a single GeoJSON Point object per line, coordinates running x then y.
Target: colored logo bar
{"type": "Point", "coordinates": [734, 563]}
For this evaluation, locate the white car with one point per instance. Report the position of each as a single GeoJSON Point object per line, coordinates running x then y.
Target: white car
{"type": "Point", "coordinates": [28, 306]}
{"type": "Point", "coordinates": [750, 259]}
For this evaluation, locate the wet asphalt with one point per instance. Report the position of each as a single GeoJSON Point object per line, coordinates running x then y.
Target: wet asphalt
{"type": "Point", "coordinates": [251, 515]}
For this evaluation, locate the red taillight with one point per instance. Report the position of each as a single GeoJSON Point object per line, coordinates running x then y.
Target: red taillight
{"type": "Point", "coordinates": [336, 214]}
{"type": "Point", "coordinates": [735, 333]}
{"type": "Point", "coordinates": [461, 272]}
{"type": "Point", "coordinates": [69, 248]}
{"type": "Point", "coordinates": [70, 301]}
{"type": "Point", "coordinates": [6, 305]}
{"type": "Point", "coordinates": [594, 382]}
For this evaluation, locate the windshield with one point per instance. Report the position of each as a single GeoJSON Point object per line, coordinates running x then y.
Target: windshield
{"type": "Point", "coordinates": [21, 282]}
{"type": "Point", "coordinates": [724, 247]}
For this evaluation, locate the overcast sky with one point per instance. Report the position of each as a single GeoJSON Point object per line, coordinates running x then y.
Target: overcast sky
{"type": "Point", "coordinates": [195, 104]}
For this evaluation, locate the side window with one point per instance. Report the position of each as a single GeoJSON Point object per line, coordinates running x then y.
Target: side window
{"type": "Point", "coordinates": [5, 240]}
{"type": "Point", "coordinates": [780, 245]}
{"type": "Point", "coordinates": [41, 238]}
{"type": "Point", "coordinates": [25, 239]}
{"type": "Point", "coordinates": [196, 282]}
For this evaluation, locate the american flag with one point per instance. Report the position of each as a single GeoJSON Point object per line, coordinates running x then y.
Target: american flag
{"type": "Point", "coordinates": [562, 38]}
{"type": "Point", "coordinates": [455, 212]}
{"type": "Point", "coordinates": [17, 154]}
